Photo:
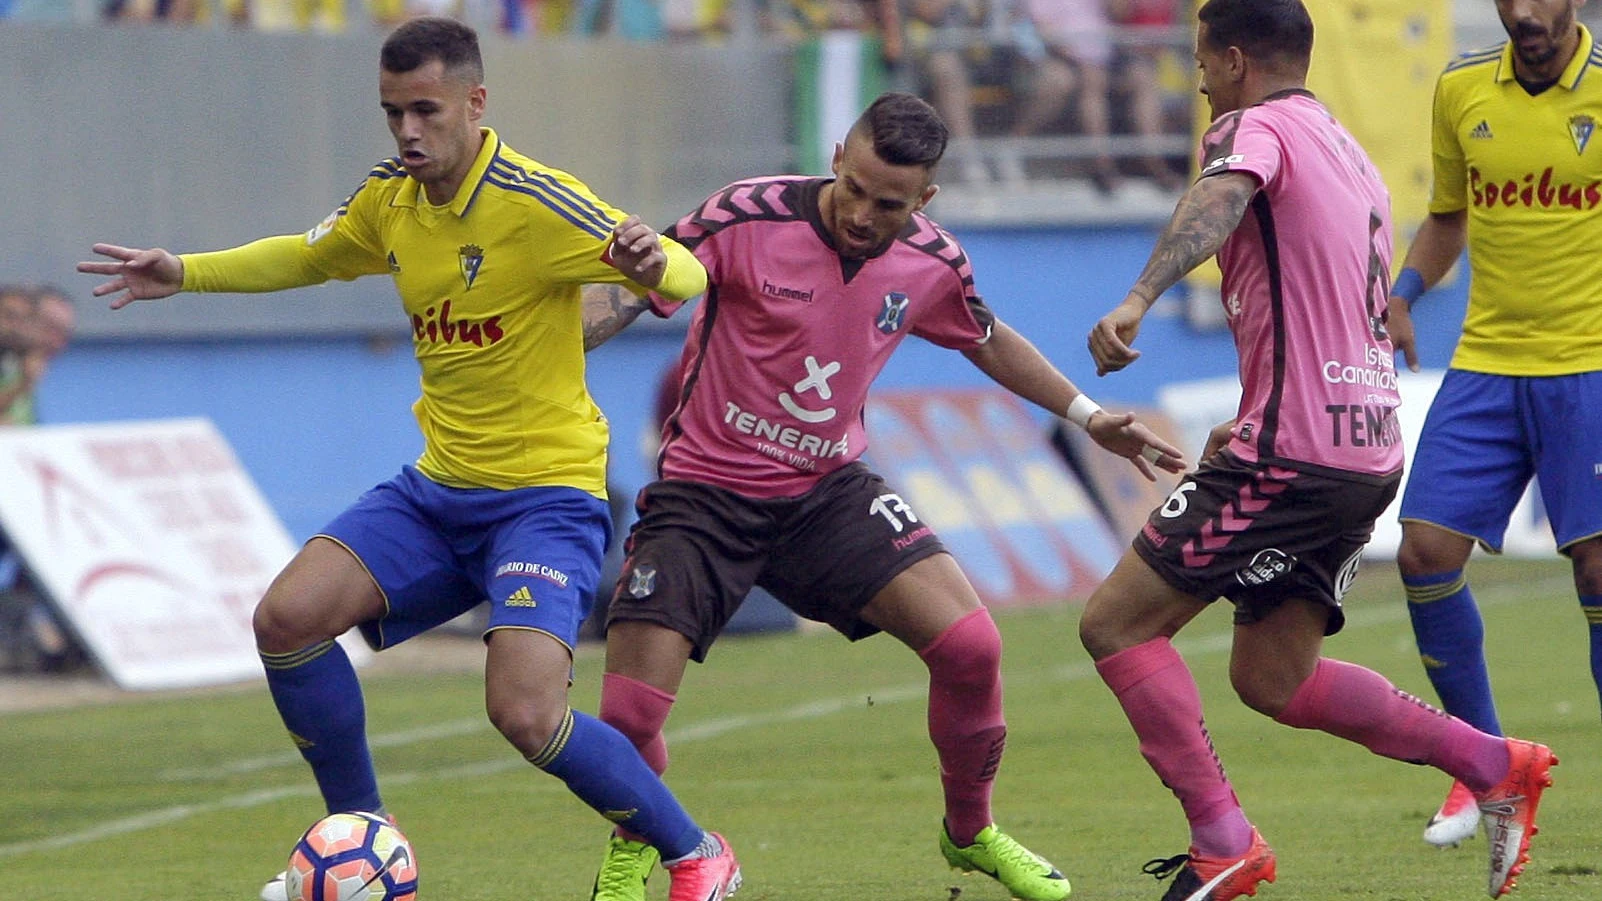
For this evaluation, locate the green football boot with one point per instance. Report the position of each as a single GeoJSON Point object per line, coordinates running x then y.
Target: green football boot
{"type": "Point", "coordinates": [624, 870]}
{"type": "Point", "coordinates": [1027, 875]}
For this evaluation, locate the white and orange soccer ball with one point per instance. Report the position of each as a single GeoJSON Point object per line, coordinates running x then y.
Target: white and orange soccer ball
{"type": "Point", "coordinates": [352, 857]}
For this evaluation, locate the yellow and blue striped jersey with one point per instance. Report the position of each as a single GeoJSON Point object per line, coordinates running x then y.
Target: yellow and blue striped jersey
{"type": "Point", "coordinates": [1529, 172]}
{"type": "Point", "coordinates": [490, 283]}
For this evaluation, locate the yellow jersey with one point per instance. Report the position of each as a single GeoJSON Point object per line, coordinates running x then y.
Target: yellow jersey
{"type": "Point", "coordinates": [490, 283]}
{"type": "Point", "coordinates": [1529, 172]}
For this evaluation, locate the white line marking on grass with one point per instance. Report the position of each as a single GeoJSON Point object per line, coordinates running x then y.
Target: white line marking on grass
{"type": "Point", "coordinates": [404, 738]}
{"type": "Point", "coordinates": [1210, 644]}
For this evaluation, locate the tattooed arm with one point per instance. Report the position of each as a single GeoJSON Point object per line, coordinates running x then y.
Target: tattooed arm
{"type": "Point", "coordinates": [608, 309]}
{"type": "Point", "coordinates": [1204, 218]}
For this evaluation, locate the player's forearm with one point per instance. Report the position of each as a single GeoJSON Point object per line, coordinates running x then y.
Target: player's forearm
{"type": "Point", "coordinates": [1202, 221]}
{"type": "Point", "coordinates": [608, 309]}
{"type": "Point", "coordinates": [270, 264]}
{"type": "Point", "coordinates": [1439, 242]}
{"type": "Point", "coordinates": [685, 276]}
{"type": "Point", "coordinates": [1017, 365]}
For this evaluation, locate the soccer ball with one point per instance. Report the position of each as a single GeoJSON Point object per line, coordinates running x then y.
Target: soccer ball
{"type": "Point", "coordinates": [352, 857]}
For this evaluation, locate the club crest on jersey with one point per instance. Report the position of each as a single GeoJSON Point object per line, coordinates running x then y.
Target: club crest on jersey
{"type": "Point", "coordinates": [471, 257]}
{"type": "Point", "coordinates": [642, 581]}
{"type": "Point", "coordinates": [895, 308]}
{"type": "Point", "coordinates": [1580, 129]}
{"type": "Point", "coordinates": [321, 229]}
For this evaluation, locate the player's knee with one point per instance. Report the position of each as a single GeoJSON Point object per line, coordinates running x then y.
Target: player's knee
{"type": "Point", "coordinates": [634, 708]}
{"type": "Point", "coordinates": [1424, 554]}
{"type": "Point", "coordinates": [1098, 632]}
{"type": "Point", "coordinates": [527, 724]}
{"type": "Point", "coordinates": [1264, 695]}
{"type": "Point", "coordinates": [967, 652]}
{"type": "Point", "coordinates": [280, 629]}
{"type": "Point", "coordinates": [1587, 559]}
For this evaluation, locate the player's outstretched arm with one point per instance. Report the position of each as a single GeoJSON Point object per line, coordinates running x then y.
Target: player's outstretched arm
{"type": "Point", "coordinates": [137, 274]}
{"type": "Point", "coordinates": [608, 309]}
{"type": "Point", "coordinates": [1124, 435]}
{"type": "Point", "coordinates": [1203, 219]}
{"type": "Point", "coordinates": [1440, 240]}
{"type": "Point", "coordinates": [1017, 365]}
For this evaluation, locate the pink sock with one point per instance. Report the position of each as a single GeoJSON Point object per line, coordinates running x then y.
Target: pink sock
{"type": "Point", "coordinates": [638, 711]}
{"type": "Point", "coordinates": [965, 719]}
{"type": "Point", "coordinates": [1160, 698]}
{"type": "Point", "coordinates": [1361, 705]}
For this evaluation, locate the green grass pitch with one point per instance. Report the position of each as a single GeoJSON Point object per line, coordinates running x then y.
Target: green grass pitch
{"type": "Point", "coordinates": [811, 756]}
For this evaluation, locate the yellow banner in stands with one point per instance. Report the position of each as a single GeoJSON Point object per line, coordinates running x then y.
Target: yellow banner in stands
{"type": "Point", "coordinates": [1374, 65]}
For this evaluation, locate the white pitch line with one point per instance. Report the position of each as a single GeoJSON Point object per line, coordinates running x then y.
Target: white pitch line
{"type": "Point", "coordinates": [1201, 646]}
{"type": "Point", "coordinates": [404, 738]}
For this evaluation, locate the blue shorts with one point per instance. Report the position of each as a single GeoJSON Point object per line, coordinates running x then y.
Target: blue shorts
{"type": "Point", "coordinates": [1486, 435]}
{"type": "Point", "coordinates": [436, 552]}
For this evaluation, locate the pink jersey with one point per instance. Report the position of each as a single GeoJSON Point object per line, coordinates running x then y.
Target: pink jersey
{"type": "Point", "coordinates": [1306, 276]}
{"type": "Point", "coordinates": [790, 335]}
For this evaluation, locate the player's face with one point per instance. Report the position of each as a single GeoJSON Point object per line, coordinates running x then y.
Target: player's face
{"type": "Point", "coordinates": [1221, 74]}
{"type": "Point", "coordinates": [871, 200]}
{"type": "Point", "coordinates": [1539, 30]}
{"type": "Point", "coordinates": [433, 114]}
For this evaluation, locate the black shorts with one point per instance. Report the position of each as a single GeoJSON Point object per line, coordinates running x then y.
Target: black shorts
{"type": "Point", "coordinates": [696, 550]}
{"type": "Point", "coordinates": [1261, 534]}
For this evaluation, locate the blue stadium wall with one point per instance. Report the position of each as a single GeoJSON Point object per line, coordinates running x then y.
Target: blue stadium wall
{"type": "Point", "coordinates": [318, 420]}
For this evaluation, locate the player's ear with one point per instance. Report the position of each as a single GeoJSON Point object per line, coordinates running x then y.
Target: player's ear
{"type": "Point", "coordinates": [476, 99]}
{"type": "Point", "coordinates": [928, 195]}
{"type": "Point", "coordinates": [839, 154]}
{"type": "Point", "coordinates": [1235, 63]}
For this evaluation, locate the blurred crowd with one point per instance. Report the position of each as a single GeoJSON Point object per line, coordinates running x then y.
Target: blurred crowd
{"type": "Point", "coordinates": [1032, 89]}
{"type": "Point", "coordinates": [35, 324]}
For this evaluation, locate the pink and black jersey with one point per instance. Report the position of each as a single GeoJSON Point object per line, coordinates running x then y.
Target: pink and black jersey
{"type": "Point", "coordinates": [790, 335]}
{"type": "Point", "coordinates": [1306, 277]}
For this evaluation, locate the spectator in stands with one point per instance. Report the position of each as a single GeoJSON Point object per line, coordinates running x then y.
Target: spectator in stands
{"type": "Point", "coordinates": [635, 20]}
{"type": "Point", "coordinates": [1074, 63]}
{"type": "Point", "coordinates": [947, 37]}
{"type": "Point", "coordinates": [182, 11]}
{"type": "Point", "coordinates": [525, 17]}
{"type": "Point", "coordinates": [800, 20]}
{"type": "Point", "coordinates": [1146, 26]}
{"type": "Point", "coordinates": [326, 16]}
{"type": "Point", "coordinates": [34, 327]}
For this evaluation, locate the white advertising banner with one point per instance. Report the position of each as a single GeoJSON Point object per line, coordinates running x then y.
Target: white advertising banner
{"type": "Point", "coordinates": [150, 539]}
{"type": "Point", "coordinates": [1199, 405]}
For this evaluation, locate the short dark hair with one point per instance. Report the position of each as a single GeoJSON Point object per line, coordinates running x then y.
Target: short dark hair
{"type": "Point", "coordinates": [426, 38]}
{"type": "Point", "coordinates": [1260, 28]}
{"type": "Point", "coordinates": [905, 130]}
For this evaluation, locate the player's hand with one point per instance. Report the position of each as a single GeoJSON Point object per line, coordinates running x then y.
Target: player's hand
{"type": "Point", "coordinates": [636, 252]}
{"type": "Point", "coordinates": [1122, 435]}
{"type": "Point", "coordinates": [1399, 323]}
{"type": "Point", "coordinates": [1218, 438]}
{"type": "Point", "coordinates": [1110, 340]}
{"type": "Point", "coordinates": [138, 274]}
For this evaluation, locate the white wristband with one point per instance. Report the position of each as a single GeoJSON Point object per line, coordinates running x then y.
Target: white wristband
{"type": "Point", "coordinates": [1080, 411]}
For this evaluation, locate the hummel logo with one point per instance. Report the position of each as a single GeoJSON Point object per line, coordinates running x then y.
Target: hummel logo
{"type": "Point", "coordinates": [521, 598]}
{"type": "Point", "coordinates": [1481, 131]}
